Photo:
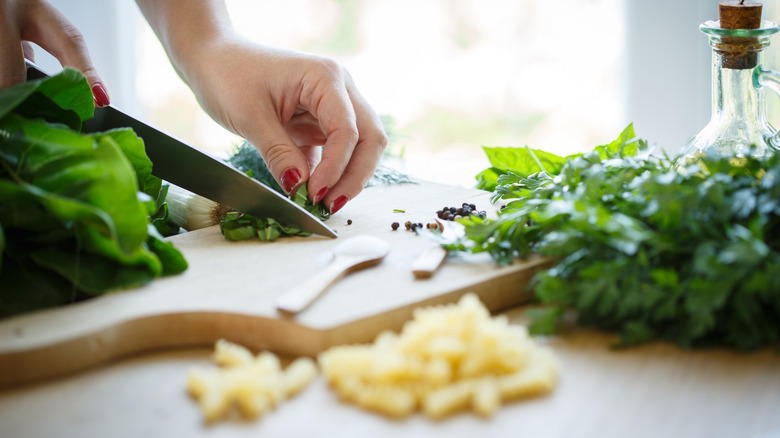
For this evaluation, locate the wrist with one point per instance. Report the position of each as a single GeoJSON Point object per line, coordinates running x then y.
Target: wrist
{"type": "Point", "coordinates": [189, 31]}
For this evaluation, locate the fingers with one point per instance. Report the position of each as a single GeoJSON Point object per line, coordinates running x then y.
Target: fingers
{"type": "Point", "coordinates": [364, 160]}
{"type": "Point", "coordinates": [355, 143]}
{"type": "Point", "coordinates": [39, 22]}
{"type": "Point", "coordinates": [327, 100]}
{"type": "Point", "coordinates": [286, 162]}
{"type": "Point", "coordinates": [354, 140]}
{"type": "Point", "coordinates": [12, 69]}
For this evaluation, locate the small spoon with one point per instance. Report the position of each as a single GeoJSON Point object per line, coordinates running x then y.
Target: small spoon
{"type": "Point", "coordinates": [354, 253]}
{"type": "Point", "coordinates": [427, 263]}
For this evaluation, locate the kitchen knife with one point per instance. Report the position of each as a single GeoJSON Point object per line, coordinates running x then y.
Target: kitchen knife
{"type": "Point", "coordinates": [200, 173]}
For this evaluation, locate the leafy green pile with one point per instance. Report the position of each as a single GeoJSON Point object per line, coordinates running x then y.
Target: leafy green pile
{"type": "Point", "coordinates": [688, 254]}
{"type": "Point", "coordinates": [240, 226]}
{"type": "Point", "coordinates": [76, 210]}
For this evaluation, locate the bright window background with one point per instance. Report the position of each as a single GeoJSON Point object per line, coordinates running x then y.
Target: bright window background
{"type": "Point", "coordinates": [454, 75]}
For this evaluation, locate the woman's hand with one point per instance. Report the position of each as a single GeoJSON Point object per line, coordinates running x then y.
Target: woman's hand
{"type": "Point", "coordinates": [37, 21]}
{"type": "Point", "coordinates": [286, 103]}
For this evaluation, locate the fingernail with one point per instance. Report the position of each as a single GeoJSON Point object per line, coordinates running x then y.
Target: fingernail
{"type": "Point", "coordinates": [320, 195]}
{"type": "Point", "coordinates": [100, 96]}
{"type": "Point", "coordinates": [338, 204]}
{"type": "Point", "coordinates": [290, 178]}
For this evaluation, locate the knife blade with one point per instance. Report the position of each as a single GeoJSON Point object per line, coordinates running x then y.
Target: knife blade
{"type": "Point", "coordinates": [194, 170]}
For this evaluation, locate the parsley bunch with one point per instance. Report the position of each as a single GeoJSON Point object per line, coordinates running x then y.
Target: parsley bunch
{"type": "Point", "coordinates": [688, 254]}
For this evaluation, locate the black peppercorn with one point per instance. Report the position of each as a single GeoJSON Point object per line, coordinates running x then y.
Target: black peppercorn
{"type": "Point", "coordinates": [395, 225]}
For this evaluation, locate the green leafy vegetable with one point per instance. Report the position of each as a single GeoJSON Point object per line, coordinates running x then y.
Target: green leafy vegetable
{"type": "Point", "coordinates": [652, 251]}
{"type": "Point", "coordinates": [240, 226]}
{"type": "Point", "coordinates": [74, 208]}
{"type": "Point", "coordinates": [525, 161]}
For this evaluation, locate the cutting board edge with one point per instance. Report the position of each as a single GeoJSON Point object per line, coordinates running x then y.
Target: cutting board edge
{"type": "Point", "coordinates": [498, 293]}
{"type": "Point", "coordinates": [193, 329]}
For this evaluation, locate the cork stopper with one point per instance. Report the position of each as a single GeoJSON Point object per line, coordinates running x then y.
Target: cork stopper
{"type": "Point", "coordinates": [739, 14]}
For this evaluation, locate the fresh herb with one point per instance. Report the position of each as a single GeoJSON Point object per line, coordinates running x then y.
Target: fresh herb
{"type": "Point", "coordinates": [239, 226]}
{"type": "Point", "coordinates": [398, 210]}
{"type": "Point", "coordinates": [246, 158]}
{"type": "Point", "coordinates": [526, 161]}
{"type": "Point", "coordinates": [644, 248]}
{"type": "Point", "coordinates": [385, 175]}
{"type": "Point", "coordinates": [74, 208]}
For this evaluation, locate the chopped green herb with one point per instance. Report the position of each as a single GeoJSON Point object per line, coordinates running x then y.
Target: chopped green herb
{"type": "Point", "coordinates": [398, 210]}
{"type": "Point", "coordinates": [644, 248]}
{"type": "Point", "coordinates": [239, 226]}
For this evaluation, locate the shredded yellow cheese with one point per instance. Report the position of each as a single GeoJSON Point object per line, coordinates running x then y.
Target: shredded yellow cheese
{"type": "Point", "coordinates": [447, 359]}
{"type": "Point", "coordinates": [252, 384]}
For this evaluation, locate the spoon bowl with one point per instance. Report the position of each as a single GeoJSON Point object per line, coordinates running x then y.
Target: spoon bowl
{"type": "Point", "coordinates": [350, 255]}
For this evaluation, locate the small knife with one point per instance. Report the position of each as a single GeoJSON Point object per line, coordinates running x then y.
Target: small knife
{"type": "Point", "coordinates": [200, 173]}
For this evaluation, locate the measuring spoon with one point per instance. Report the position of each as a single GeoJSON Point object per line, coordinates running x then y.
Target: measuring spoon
{"type": "Point", "coordinates": [354, 253]}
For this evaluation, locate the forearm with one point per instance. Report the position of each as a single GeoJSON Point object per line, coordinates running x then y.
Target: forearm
{"type": "Point", "coordinates": [186, 29]}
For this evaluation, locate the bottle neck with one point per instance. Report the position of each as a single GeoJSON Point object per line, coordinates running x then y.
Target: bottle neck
{"type": "Point", "coordinates": [733, 94]}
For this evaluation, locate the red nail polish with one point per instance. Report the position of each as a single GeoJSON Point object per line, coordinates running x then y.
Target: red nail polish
{"type": "Point", "coordinates": [100, 96]}
{"type": "Point", "coordinates": [320, 195]}
{"type": "Point", "coordinates": [338, 204]}
{"type": "Point", "coordinates": [290, 178]}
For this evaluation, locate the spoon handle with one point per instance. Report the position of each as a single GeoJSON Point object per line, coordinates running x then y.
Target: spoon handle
{"type": "Point", "coordinates": [426, 264]}
{"type": "Point", "coordinates": [304, 294]}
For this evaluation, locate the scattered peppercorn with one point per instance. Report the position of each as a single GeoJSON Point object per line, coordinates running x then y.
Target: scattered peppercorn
{"type": "Point", "coordinates": [395, 225]}
{"type": "Point", "coordinates": [465, 210]}
{"type": "Point", "coordinates": [349, 221]}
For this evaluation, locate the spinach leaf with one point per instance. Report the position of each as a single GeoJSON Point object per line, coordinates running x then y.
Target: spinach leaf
{"type": "Point", "coordinates": [74, 208]}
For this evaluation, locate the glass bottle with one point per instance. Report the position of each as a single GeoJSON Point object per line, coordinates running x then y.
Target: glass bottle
{"type": "Point", "coordinates": [738, 125]}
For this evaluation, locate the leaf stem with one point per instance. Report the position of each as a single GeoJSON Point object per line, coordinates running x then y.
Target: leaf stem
{"type": "Point", "coordinates": [536, 159]}
{"type": "Point", "coordinates": [11, 172]}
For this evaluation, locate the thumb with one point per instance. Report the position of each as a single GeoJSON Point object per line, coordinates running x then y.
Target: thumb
{"type": "Point", "coordinates": [284, 159]}
{"type": "Point", "coordinates": [46, 26]}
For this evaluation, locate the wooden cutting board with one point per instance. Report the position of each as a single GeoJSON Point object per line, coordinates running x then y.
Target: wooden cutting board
{"type": "Point", "coordinates": [230, 288]}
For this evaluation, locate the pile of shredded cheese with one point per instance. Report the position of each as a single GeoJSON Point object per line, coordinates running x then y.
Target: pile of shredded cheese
{"type": "Point", "coordinates": [448, 358]}
{"type": "Point", "coordinates": [252, 384]}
